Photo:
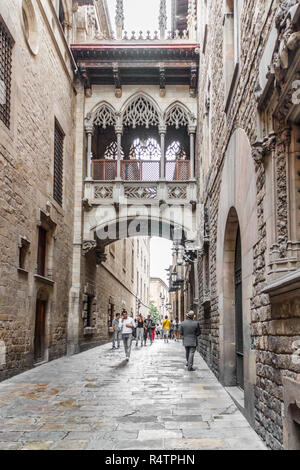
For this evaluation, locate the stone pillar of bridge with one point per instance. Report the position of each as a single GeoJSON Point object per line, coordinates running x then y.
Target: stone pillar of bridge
{"type": "Point", "coordinates": [162, 132]}
{"type": "Point", "coordinates": [192, 133]}
{"type": "Point", "coordinates": [89, 129]}
{"type": "Point", "coordinates": [119, 133]}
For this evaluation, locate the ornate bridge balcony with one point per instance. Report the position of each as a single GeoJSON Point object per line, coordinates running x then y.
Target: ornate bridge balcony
{"type": "Point", "coordinates": [140, 170]}
{"type": "Point", "coordinates": [153, 193]}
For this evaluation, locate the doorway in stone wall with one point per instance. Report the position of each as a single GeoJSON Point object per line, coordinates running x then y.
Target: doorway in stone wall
{"type": "Point", "coordinates": [40, 331]}
{"type": "Point", "coordinates": [231, 323]}
{"type": "Point", "coordinates": [239, 339]}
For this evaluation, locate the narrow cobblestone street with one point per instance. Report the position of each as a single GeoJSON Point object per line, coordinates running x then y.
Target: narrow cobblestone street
{"type": "Point", "coordinates": [95, 400]}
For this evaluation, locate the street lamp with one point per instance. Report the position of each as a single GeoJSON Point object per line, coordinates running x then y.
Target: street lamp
{"type": "Point", "coordinates": [174, 276]}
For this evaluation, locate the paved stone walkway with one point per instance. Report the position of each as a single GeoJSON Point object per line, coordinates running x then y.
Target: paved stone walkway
{"type": "Point", "coordinates": [96, 400]}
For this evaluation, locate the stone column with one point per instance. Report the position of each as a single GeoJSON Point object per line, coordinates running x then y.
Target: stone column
{"type": "Point", "coordinates": [162, 132]}
{"type": "Point", "coordinates": [163, 19]}
{"type": "Point", "coordinates": [119, 18]}
{"type": "Point", "coordinates": [89, 129]}
{"type": "Point", "coordinates": [192, 133]}
{"type": "Point", "coordinates": [119, 133]}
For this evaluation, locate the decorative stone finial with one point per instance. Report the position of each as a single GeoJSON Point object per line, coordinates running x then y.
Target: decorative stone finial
{"type": "Point", "coordinates": [163, 19]}
{"type": "Point", "coordinates": [119, 18]}
{"type": "Point", "coordinates": [192, 20]}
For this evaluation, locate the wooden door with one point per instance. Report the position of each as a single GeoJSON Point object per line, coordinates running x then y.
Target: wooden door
{"type": "Point", "coordinates": [40, 327]}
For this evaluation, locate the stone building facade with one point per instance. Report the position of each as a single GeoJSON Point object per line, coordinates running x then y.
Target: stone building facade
{"type": "Point", "coordinates": [37, 109]}
{"type": "Point", "coordinates": [121, 281]}
{"type": "Point", "coordinates": [159, 295]}
{"type": "Point", "coordinates": [40, 98]}
{"type": "Point", "coordinates": [65, 267]}
{"type": "Point", "coordinates": [248, 168]}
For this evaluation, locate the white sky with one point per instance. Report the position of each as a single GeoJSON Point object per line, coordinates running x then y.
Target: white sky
{"type": "Point", "coordinates": [140, 15]}
{"type": "Point", "coordinates": [160, 257]}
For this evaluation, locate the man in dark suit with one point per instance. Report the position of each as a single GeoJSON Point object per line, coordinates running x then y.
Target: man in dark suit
{"type": "Point", "coordinates": [190, 330]}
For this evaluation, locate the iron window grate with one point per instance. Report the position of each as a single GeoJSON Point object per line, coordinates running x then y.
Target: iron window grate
{"type": "Point", "coordinates": [6, 45]}
{"type": "Point", "coordinates": [58, 164]}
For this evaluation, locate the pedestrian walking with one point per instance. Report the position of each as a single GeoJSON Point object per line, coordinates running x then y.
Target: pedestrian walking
{"type": "Point", "coordinates": [171, 333]}
{"type": "Point", "coordinates": [190, 330]}
{"type": "Point", "coordinates": [166, 328]}
{"type": "Point", "coordinates": [117, 326]}
{"type": "Point", "coordinates": [176, 329]}
{"type": "Point", "coordinates": [153, 328]}
{"type": "Point", "coordinates": [147, 327]}
{"type": "Point", "coordinates": [140, 330]}
{"type": "Point", "coordinates": [128, 325]}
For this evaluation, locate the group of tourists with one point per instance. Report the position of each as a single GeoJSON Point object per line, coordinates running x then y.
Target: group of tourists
{"type": "Point", "coordinates": [125, 328]}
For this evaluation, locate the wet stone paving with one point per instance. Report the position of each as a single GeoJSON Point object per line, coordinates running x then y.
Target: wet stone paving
{"type": "Point", "coordinates": [96, 400]}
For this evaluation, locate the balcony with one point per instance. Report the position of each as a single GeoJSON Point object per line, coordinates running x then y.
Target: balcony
{"type": "Point", "coordinates": [140, 170]}
{"type": "Point", "coordinates": [140, 181]}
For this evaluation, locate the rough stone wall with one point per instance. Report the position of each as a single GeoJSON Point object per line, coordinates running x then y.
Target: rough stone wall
{"type": "Point", "coordinates": [41, 91]}
{"type": "Point", "coordinates": [273, 329]}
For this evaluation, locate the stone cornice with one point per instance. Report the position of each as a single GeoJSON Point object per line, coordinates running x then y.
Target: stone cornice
{"type": "Point", "coordinates": [288, 283]}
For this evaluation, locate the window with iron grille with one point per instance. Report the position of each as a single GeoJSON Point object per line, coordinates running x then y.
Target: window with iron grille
{"type": "Point", "coordinates": [42, 252]}
{"type": "Point", "coordinates": [58, 163]}
{"type": "Point", "coordinates": [6, 45]}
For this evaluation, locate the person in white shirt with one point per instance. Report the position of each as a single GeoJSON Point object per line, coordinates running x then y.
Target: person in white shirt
{"type": "Point", "coordinates": [128, 324]}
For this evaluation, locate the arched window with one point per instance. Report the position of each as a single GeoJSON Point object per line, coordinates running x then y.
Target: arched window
{"type": "Point", "coordinates": [145, 150]}
{"type": "Point", "coordinates": [111, 151]}
{"type": "Point", "coordinates": [175, 151]}
{"type": "Point", "coordinates": [104, 138]}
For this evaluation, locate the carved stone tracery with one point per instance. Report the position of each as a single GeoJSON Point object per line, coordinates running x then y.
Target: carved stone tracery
{"type": "Point", "coordinates": [141, 112]}
{"type": "Point", "coordinates": [177, 192]}
{"type": "Point", "coordinates": [145, 150]}
{"type": "Point", "coordinates": [141, 192]}
{"type": "Point", "coordinates": [177, 116]}
{"type": "Point", "coordinates": [103, 192]}
{"type": "Point", "coordinates": [104, 117]}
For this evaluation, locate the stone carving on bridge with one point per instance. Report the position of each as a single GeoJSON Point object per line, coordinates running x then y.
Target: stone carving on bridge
{"type": "Point", "coordinates": [104, 116]}
{"type": "Point", "coordinates": [141, 112]}
{"type": "Point", "coordinates": [177, 116]}
{"type": "Point", "coordinates": [163, 18]}
{"type": "Point", "coordinates": [101, 257]}
{"type": "Point", "coordinates": [140, 192]}
{"type": "Point", "coordinates": [88, 246]}
{"type": "Point", "coordinates": [103, 192]}
{"type": "Point", "coordinates": [177, 192]}
{"type": "Point", "coordinates": [119, 18]}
